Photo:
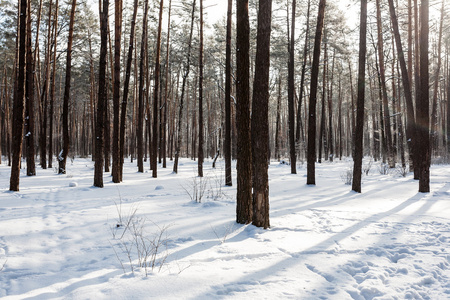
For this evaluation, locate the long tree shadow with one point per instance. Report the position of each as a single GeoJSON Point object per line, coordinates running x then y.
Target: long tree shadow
{"type": "Point", "coordinates": [297, 258]}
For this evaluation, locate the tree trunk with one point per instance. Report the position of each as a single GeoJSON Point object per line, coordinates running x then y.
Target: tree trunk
{"type": "Point", "coordinates": [423, 118]}
{"type": "Point", "coordinates": [187, 67]}
{"type": "Point", "coordinates": [166, 103]}
{"type": "Point", "coordinates": [62, 157]}
{"type": "Point", "coordinates": [311, 159]}
{"type": "Point", "coordinates": [291, 91]}
{"type": "Point", "coordinates": [302, 79]}
{"type": "Point", "coordinates": [102, 96]}
{"type": "Point", "coordinates": [116, 159]}
{"type": "Point", "coordinates": [244, 209]}
{"type": "Point", "coordinates": [260, 116]}
{"type": "Point", "coordinates": [19, 99]}
{"type": "Point", "coordinates": [359, 130]}
{"type": "Point", "coordinates": [227, 144]}
{"type": "Point", "coordinates": [154, 148]}
{"type": "Point", "coordinates": [278, 122]}
{"type": "Point", "coordinates": [387, 117]}
{"type": "Point", "coordinates": [406, 80]}
{"type": "Point", "coordinates": [322, 134]}
{"type": "Point", "coordinates": [200, 97]}
{"type": "Point", "coordinates": [140, 121]}
{"type": "Point", "coordinates": [52, 87]}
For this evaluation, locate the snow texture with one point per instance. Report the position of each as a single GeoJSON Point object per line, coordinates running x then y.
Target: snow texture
{"type": "Point", "coordinates": [61, 240]}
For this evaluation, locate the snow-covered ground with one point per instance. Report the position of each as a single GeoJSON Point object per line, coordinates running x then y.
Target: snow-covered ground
{"type": "Point", "coordinates": [61, 238]}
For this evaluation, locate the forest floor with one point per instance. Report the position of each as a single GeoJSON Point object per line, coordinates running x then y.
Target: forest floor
{"type": "Point", "coordinates": [61, 238]}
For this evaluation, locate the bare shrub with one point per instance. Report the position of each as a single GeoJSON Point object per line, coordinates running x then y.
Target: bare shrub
{"type": "Point", "coordinates": [347, 176]}
{"type": "Point", "coordinates": [196, 188]}
{"type": "Point", "coordinates": [136, 247]}
{"type": "Point", "coordinates": [402, 170]}
{"type": "Point", "coordinates": [384, 169]}
{"type": "Point", "coordinates": [367, 166]}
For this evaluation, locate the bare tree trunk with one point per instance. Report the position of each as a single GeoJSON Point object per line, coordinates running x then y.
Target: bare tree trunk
{"type": "Point", "coordinates": [322, 134]}
{"type": "Point", "coordinates": [154, 148]}
{"type": "Point", "coordinates": [166, 103]}
{"type": "Point", "coordinates": [19, 98]}
{"type": "Point", "coordinates": [387, 117]}
{"type": "Point", "coordinates": [126, 87]}
{"type": "Point", "coordinates": [102, 96]}
{"type": "Point", "coordinates": [302, 79]}
{"type": "Point", "coordinates": [311, 159]}
{"type": "Point", "coordinates": [62, 157]}
{"type": "Point", "coordinates": [244, 209]}
{"type": "Point", "coordinates": [116, 159]}
{"type": "Point", "coordinates": [200, 98]}
{"type": "Point", "coordinates": [52, 87]}
{"type": "Point", "coordinates": [260, 116]}
{"type": "Point", "coordinates": [140, 121]}
{"type": "Point", "coordinates": [227, 144]}
{"type": "Point", "coordinates": [423, 118]}
{"type": "Point", "coordinates": [278, 121]}
{"type": "Point", "coordinates": [183, 87]}
{"type": "Point", "coordinates": [291, 91]}
{"type": "Point", "coordinates": [406, 80]}
{"type": "Point", "coordinates": [359, 130]}
{"type": "Point", "coordinates": [330, 112]}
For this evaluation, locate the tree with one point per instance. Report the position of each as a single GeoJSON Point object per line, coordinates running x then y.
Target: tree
{"type": "Point", "coordinates": [311, 157]}
{"type": "Point", "coordinates": [291, 92]}
{"type": "Point", "coordinates": [244, 209]}
{"type": "Point", "coordinates": [422, 104]}
{"type": "Point", "coordinates": [200, 97]}
{"type": "Point", "coordinates": [140, 121]}
{"type": "Point", "coordinates": [227, 143]}
{"type": "Point", "coordinates": [359, 130]}
{"type": "Point", "coordinates": [102, 96]}
{"type": "Point", "coordinates": [62, 157]}
{"type": "Point", "coordinates": [154, 149]}
{"type": "Point", "coordinates": [19, 98]}
{"type": "Point", "coordinates": [126, 86]}
{"type": "Point", "coordinates": [260, 117]}
{"type": "Point", "coordinates": [116, 159]}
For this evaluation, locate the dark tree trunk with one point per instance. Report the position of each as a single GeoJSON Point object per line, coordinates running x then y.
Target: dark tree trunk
{"type": "Point", "coordinates": [387, 117]}
{"type": "Point", "coordinates": [291, 91]}
{"type": "Point", "coordinates": [322, 134]}
{"type": "Point", "coordinates": [187, 67]}
{"type": "Point", "coordinates": [126, 87]}
{"type": "Point", "coordinates": [359, 130]}
{"type": "Point", "coordinates": [19, 99]}
{"type": "Point", "coordinates": [423, 118]}
{"type": "Point", "coordinates": [29, 99]}
{"type": "Point", "coordinates": [278, 121]}
{"type": "Point", "coordinates": [154, 148]}
{"type": "Point", "coordinates": [244, 209]}
{"type": "Point", "coordinates": [116, 159]}
{"type": "Point", "coordinates": [227, 144]}
{"type": "Point", "coordinates": [52, 88]}
{"type": "Point", "coordinates": [302, 79]}
{"type": "Point", "coordinates": [102, 96]}
{"type": "Point", "coordinates": [200, 97]}
{"type": "Point", "coordinates": [166, 103]}
{"type": "Point", "coordinates": [260, 117]}
{"type": "Point", "coordinates": [62, 157]}
{"type": "Point", "coordinates": [311, 159]}
{"type": "Point", "coordinates": [406, 80]}
{"type": "Point", "coordinates": [140, 121]}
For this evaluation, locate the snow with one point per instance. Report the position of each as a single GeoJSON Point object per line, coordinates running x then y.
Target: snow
{"type": "Point", "coordinates": [60, 236]}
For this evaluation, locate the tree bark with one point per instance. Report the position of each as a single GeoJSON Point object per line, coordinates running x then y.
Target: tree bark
{"type": "Point", "coordinates": [260, 117]}
{"type": "Point", "coordinates": [62, 157]}
{"type": "Point", "coordinates": [423, 118]}
{"type": "Point", "coordinates": [102, 96]}
{"type": "Point", "coordinates": [291, 91]}
{"type": "Point", "coordinates": [311, 159]}
{"type": "Point", "coordinates": [187, 67]}
{"type": "Point", "coordinates": [200, 97]}
{"type": "Point", "coordinates": [244, 209]}
{"type": "Point", "coordinates": [19, 99]}
{"type": "Point", "coordinates": [227, 143]}
{"type": "Point", "coordinates": [154, 148]}
{"type": "Point", "coordinates": [359, 130]}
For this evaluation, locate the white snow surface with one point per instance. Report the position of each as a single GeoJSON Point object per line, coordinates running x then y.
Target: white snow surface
{"type": "Point", "coordinates": [59, 237]}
